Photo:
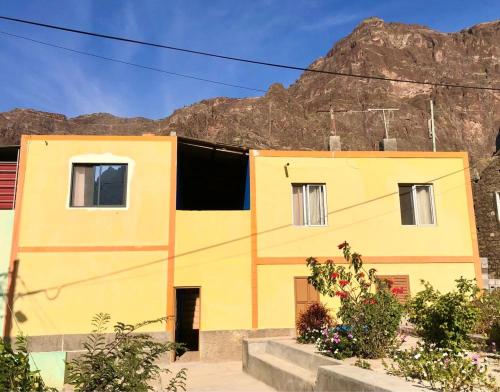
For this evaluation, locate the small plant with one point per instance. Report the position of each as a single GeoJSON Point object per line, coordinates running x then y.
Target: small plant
{"type": "Point", "coordinates": [126, 364]}
{"type": "Point", "coordinates": [367, 305]}
{"type": "Point", "coordinates": [15, 372]}
{"type": "Point", "coordinates": [445, 319]}
{"type": "Point", "coordinates": [337, 342]}
{"type": "Point", "coordinates": [442, 369]}
{"type": "Point", "coordinates": [362, 364]}
{"type": "Point", "coordinates": [312, 321]}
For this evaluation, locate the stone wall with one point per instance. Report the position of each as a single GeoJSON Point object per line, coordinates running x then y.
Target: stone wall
{"type": "Point", "coordinates": [487, 219]}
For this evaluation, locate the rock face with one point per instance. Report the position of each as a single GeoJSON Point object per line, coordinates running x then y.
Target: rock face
{"type": "Point", "coordinates": [488, 215]}
{"type": "Point", "coordinates": [294, 118]}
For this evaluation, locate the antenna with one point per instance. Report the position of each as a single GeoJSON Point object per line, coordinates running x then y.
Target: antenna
{"type": "Point", "coordinates": [386, 121]}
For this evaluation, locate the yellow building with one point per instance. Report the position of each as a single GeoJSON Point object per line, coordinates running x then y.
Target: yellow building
{"type": "Point", "coordinates": [216, 237]}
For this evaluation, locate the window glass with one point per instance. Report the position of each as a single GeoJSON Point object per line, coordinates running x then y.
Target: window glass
{"type": "Point", "coordinates": [298, 205]}
{"type": "Point", "coordinates": [309, 205]}
{"type": "Point", "coordinates": [406, 205]}
{"type": "Point", "coordinates": [98, 185]}
{"type": "Point", "coordinates": [416, 204]}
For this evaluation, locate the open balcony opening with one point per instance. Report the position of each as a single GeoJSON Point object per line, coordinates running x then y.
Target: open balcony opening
{"type": "Point", "coordinates": [211, 177]}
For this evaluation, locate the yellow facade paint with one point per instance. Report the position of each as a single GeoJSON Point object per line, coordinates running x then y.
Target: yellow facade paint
{"type": "Point", "coordinates": [57, 290]}
{"type": "Point", "coordinates": [363, 207]}
{"type": "Point", "coordinates": [276, 286]}
{"type": "Point", "coordinates": [213, 253]}
{"type": "Point", "coordinates": [47, 219]}
{"type": "Point", "coordinates": [75, 262]}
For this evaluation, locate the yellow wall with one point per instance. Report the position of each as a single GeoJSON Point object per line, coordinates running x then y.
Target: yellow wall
{"type": "Point", "coordinates": [277, 296]}
{"type": "Point", "coordinates": [58, 291]}
{"type": "Point", "coordinates": [47, 219]}
{"type": "Point", "coordinates": [213, 252]}
{"type": "Point", "coordinates": [363, 207]}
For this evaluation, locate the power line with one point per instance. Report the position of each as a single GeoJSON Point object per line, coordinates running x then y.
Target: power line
{"type": "Point", "coordinates": [131, 64]}
{"type": "Point", "coordinates": [243, 60]}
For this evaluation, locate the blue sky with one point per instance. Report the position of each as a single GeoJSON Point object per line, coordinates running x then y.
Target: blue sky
{"type": "Point", "coordinates": [293, 32]}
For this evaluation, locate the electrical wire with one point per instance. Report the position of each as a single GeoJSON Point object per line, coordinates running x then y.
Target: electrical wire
{"type": "Point", "coordinates": [243, 60]}
{"type": "Point", "coordinates": [131, 64]}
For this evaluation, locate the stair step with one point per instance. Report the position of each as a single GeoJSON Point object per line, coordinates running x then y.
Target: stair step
{"type": "Point", "coordinates": [303, 355]}
{"type": "Point", "coordinates": [279, 373]}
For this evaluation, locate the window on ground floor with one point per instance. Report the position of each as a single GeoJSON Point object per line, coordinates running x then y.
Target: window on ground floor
{"type": "Point", "coordinates": [98, 185]}
{"type": "Point", "coordinates": [309, 205]}
{"type": "Point", "coordinates": [417, 204]}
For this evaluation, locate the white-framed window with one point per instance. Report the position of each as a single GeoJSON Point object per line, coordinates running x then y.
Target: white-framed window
{"type": "Point", "coordinates": [309, 205]}
{"type": "Point", "coordinates": [497, 198]}
{"type": "Point", "coordinates": [98, 185]}
{"type": "Point", "coordinates": [417, 204]}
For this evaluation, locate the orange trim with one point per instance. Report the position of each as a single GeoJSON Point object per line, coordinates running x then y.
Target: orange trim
{"type": "Point", "coordinates": [472, 223]}
{"type": "Point", "coordinates": [253, 237]}
{"type": "Point", "coordinates": [171, 242]}
{"type": "Point", "coordinates": [370, 260]}
{"type": "Point", "coordinates": [104, 137]}
{"type": "Point", "coordinates": [42, 249]}
{"type": "Point", "coordinates": [359, 154]}
{"type": "Point", "coordinates": [15, 235]}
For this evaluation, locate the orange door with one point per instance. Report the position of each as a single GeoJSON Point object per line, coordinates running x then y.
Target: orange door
{"type": "Point", "coordinates": [305, 294]}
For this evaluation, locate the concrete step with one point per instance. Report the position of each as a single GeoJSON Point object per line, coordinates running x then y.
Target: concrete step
{"type": "Point", "coordinates": [279, 373]}
{"type": "Point", "coordinates": [302, 355]}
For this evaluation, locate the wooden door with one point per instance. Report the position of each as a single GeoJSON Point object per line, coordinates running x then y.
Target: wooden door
{"type": "Point", "coordinates": [305, 294]}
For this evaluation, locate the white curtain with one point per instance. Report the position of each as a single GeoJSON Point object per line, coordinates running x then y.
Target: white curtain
{"type": "Point", "coordinates": [315, 205]}
{"type": "Point", "coordinates": [424, 205]}
{"type": "Point", "coordinates": [298, 205]}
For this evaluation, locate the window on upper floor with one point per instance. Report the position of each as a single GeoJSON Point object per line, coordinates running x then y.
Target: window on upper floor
{"type": "Point", "coordinates": [309, 205]}
{"type": "Point", "coordinates": [98, 185]}
{"type": "Point", "coordinates": [417, 204]}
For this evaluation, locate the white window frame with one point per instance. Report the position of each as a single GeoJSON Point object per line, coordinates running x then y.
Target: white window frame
{"type": "Point", "coordinates": [415, 205]}
{"type": "Point", "coordinates": [497, 198]}
{"type": "Point", "coordinates": [305, 201]}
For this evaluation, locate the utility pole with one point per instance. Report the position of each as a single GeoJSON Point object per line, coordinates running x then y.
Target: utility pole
{"type": "Point", "coordinates": [432, 130]}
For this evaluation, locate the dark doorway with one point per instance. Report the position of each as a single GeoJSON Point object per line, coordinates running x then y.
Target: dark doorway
{"type": "Point", "coordinates": [187, 320]}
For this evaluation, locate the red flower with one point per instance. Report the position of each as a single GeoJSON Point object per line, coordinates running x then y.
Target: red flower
{"type": "Point", "coordinates": [341, 294]}
{"type": "Point", "coordinates": [343, 283]}
{"type": "Point", "coordinates": [398, 290]}
{"type": "Point", "coordinates": [343, 245]}
{"type": "Point", "coordinates": [335, 275]}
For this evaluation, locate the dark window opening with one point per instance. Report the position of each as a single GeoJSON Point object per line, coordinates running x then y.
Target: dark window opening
{"type": "Point", "coordinates": [211, 178]}
{"type": "Point", "coordinates": [99, 185]}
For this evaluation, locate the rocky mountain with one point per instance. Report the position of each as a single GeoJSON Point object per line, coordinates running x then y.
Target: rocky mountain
{"type": "Point", "coordinates": [297, 117]}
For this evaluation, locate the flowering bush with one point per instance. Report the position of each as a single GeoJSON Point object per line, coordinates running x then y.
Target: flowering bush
{"type": "Point", "coordinates": [337, 342]}
{"type": "Point", "coordinates": [367, 304]}
{"type": "Point", "coordinates": [442, 369]}
{"type": "Point", "coordinates": [445, 319]}
{"type": "Point", "coordinates": [312, 321]}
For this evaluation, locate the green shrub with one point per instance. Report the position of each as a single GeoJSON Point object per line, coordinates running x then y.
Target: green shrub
{"type": "Point", "coordinates": [445, 319]}
{"type": "Point", "coordinates": [488, 322]}
{"type": "Point", "coordinates": [442, 369]}
{"type": "Point", "coordinates": [15, 371]}
{"type": "Point", "coordinates": [126, 364]}
{"type": "Point", "coordinates": [312, 321]}
{"type": "Point", "coordinates": [368, 307]}
{"type": "Point", "coordinates": [337, 342]}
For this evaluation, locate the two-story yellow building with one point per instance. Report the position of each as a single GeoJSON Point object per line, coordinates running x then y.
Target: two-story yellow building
{"type": "Point", "coordinates": [216, 237]}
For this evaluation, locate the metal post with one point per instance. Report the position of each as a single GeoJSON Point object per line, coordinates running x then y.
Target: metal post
{"type": "Point", "coordinates": [385, 125]}
{"type": "Point", "coordinates": [433, 130]}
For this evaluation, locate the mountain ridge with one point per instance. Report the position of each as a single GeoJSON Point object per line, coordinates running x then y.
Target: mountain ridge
{"type": "Point", "coordinates": [296, 117]}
